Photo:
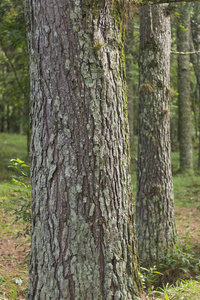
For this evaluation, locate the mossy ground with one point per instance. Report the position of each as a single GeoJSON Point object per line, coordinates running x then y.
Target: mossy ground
{"type": "Point", "coordinates": [13, 267]}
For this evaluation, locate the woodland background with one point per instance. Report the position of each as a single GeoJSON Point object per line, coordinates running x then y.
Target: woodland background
{"type": "Point", "coordinates": [179, 277]}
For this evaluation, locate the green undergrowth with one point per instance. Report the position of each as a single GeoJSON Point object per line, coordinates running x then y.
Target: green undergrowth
{"type": "Point", "coordinates": [182, 290]}
{"type": "Point", "coordinates": [11, 146]}
{"type": "Point", "coordinates": [13, 267]}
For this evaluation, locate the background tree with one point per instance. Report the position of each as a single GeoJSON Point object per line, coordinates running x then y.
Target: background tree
{"type": "Point", "coordinates": [195, 59]}
{"type": "Point", "coordinates": [83, 238]}
{"type": "Point", "coordinates": [154, 205]}
{"type": "Point", "coordinates": [183, 45]}
{"type": "Point", "coordinates": [132, 55]}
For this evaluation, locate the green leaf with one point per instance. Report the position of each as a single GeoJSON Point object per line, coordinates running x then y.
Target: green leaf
{"type": "Point", "coordinates": [9, 231]}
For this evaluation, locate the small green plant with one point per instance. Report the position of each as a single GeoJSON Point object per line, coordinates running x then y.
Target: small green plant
{"type": "Point", "coordinates": [149, 277]}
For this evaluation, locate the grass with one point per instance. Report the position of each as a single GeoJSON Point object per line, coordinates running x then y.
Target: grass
{"type": "Point", "coordinates": [184, 290]}
{"type": "Point", "coordinates": [13, 286]}
{"type": "Point", "coordinates": [11, 146]}
{"type": "Point", "coordinates": [13, 270]}
{"type": "Point", "coordinates": [185, 264]}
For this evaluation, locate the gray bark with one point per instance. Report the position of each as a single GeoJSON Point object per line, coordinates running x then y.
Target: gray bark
{"type": "Point", "coordinates": [154, 205]}
{"type": "Point", "coordinates": [183, 43]}
{"type": "Point", "coordinates": [83, 236]}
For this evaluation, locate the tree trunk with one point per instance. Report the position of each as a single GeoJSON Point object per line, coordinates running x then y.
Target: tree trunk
{"type": "Point", "coordinates": [2, 117]}
{"type": "Point", "coordinates": [154, 206]}
{"type": "Point", "coordinates": [83, 239]}
{"type": "Point", "coordinates": [195, 46]}
{"type": "Point", "coordinates": [183, 44]}
{"type": "Point", "coordinates": [8, 117]}
{"type": "Point", "coordinates": [129, 76]}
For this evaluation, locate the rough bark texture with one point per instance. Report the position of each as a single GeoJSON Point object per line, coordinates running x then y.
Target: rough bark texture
{"type": "Point", "coordinates": [183, 44]}
{"type": "Point", "coordinates": [154, 206]}
{"type": "Point", "coordinates": [83, 238]}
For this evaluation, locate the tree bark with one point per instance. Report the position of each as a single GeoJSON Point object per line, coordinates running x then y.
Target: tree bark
{"type": "Point", "coordinates": [185, 135]}
{"type": "Point", "coordinates": [83, 236]}
{"type": "Point", "coordinates": [154, 205]}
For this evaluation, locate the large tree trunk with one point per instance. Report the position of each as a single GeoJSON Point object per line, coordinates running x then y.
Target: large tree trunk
{"type": "Point", "coordinates": [154, 205]}
{"type": "Point", "coordinates": [183, 44]}
{"type": "Point", "coordinates": [83, 240]}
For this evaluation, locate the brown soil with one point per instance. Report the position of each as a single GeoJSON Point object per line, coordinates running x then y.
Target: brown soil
{"type": "Point", "coordinates": [11, 256]}
{"type": "Point", "coordinates": [188, 224]}
{"type": "Point", "coordinates": [13, 264]}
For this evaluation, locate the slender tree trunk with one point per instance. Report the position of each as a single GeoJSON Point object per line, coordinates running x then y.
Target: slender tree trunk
{"type": "Point", "coordinates": [183, 44]}
{"type": "Point", "coordinates": [154, 206]}
{"type": "Point", "coordinates": [129, 76]}
{"type": "Point", "coordinates": [83, 239]}
{"type": "Point", "coordinates": [195, 46]}
{"type": "Point", "coordinates": [8, 117]}
{"type": "Point", "coordinates": [2, 118]}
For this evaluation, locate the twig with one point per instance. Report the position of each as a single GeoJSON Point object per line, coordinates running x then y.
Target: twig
{"type": "Point", "coordinates": [185, 53]}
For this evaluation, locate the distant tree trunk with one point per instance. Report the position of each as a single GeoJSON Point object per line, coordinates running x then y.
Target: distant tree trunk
{"type": "Point", "coordinates": [8, 117]}
{"type": "Point", "coordinates": [129, 76]}
{"type": "Point", "coordinates": [21, 129]}
{"type": "Point", "coordinates": [83, 239]}
{"type": "Point", "coordinates": [2, 117]}
{"type": "Point", "coordinates": [195, 46]}
{"type": "Point", "coordinates": [183, 45]}
{"type": "Point", "coordinates": [155, 223]}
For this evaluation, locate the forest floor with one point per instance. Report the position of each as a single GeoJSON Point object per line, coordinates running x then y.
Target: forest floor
{"type": "Point", "coordinates": [181, 274]}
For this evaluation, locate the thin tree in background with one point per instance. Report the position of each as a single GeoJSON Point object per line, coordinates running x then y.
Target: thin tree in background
{"type": "Point", "coordinates": [195, 58]}
{"type": "Point", "coordinates": [131, 48]}
{"type": "Point", "coordinates": [155, 224]}
{"type": "Point", "coordinates": [183, 45]}
{"type": "Point", "coordinates": [129, 41]}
